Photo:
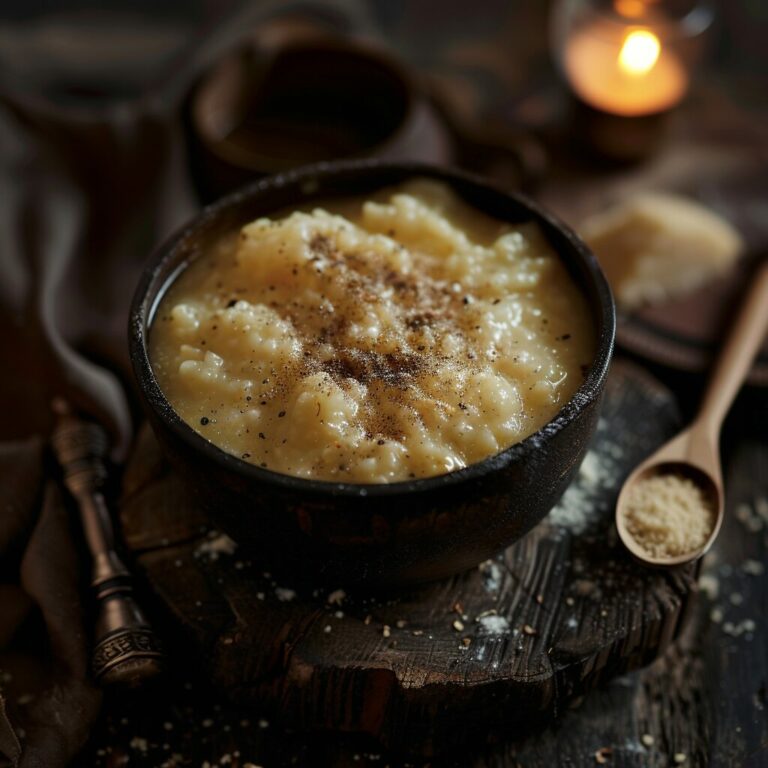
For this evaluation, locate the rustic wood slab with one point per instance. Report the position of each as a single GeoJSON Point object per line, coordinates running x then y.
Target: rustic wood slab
{"type": "Point", "coordinates": [498, 648]}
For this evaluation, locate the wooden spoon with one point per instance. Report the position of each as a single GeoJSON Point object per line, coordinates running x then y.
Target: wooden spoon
{"type": "Point", "coordinates": [695, 452]}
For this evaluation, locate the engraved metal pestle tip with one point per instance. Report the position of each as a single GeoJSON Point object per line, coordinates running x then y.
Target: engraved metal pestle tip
{"type": "Point", "coordinates": [126, 651]}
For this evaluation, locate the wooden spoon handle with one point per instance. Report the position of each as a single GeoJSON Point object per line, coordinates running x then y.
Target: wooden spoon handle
{"type": "Point", "coordinates": [736, 358]}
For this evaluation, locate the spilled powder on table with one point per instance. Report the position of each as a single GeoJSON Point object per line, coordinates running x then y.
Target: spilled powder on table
{"type": "Point", "coordinates": [493, 624]}
{"type": "Point", "coordinates": [585, 500]}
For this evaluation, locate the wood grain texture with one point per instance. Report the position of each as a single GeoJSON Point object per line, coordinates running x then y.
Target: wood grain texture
{"type": "Point", "coordinates": [573, 609]}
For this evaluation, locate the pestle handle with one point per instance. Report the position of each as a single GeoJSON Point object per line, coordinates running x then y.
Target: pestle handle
{"type": "Point", "coordinates": [126, 651]}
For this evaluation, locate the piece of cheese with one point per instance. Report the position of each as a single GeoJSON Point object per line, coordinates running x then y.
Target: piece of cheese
{"type": "Point", "coordinates": [654, 246]}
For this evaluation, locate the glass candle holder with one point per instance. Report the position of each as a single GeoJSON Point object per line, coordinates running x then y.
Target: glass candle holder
{"type": "Point", "coordinates": [628, 63]}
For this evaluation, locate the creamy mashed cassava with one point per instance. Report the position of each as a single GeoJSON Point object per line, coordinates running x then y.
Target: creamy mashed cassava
{"type": "Point", "coordinates": [404, 336]}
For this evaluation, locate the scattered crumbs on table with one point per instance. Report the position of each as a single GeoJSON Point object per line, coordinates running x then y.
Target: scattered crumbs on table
{"type": "Point", "coordinates": [753, 516]}
{"type": "Point", "coordinates": [401, 623]}
{"type": "Point", "coordinates": [745, 627]}
{"type": "Point", "coordinates": [529, 630]}
{"type": "Point", "coordinates": [647, 740]}
{"type": "Point", "coordinates": [263, 723]}
{"type": "Point", "coordinates": [139, 744]}
{"type": "Point", "coordinates": [586, 588]}
{"type": "Point", "coordinates": [570, 601]}
{"type": "Point", "coordinates": [338, 614]}
{"type": "Point", "coordinates": [603, 755]}
{"type": "Point", "coordinates": [327, 629]}
{"type": "Point", "coordinates": [215, 545]}
{"type": "Point", "coordinates": [753, 567]}
{"type": "Point", "coordinates": [284, 595]}
{"type": "Point", "coordinates": [367, 620]}
{"type": "Point", "coordinates": [736, 598]}
{"type": "Point", "coordinates": [680, 758]}
{"type": "Point", "coordinates": [417, 632]}
{"type": "Point", "coordinates": [458, 625]}
{"type": "Point", "coordinates": [207, 723]}
{"type": "Point", "coordinates": [386, 631]}
{"type": "Point", "coordinates": [336, 597]}
{"type": "Point", "coordinates": [709, 585]}
{"type": "Point", "coordinates": [457, 607]}
{"type": "Point", "coordinates": [259, 595]}
{"type": "Point", "coordinates": [716, 615]}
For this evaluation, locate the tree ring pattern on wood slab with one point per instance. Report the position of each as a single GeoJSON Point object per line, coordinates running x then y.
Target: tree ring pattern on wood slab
{"type": "Point", "coordinates": [500, 647]}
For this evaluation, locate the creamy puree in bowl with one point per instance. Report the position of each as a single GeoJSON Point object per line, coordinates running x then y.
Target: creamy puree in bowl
{"type": "Point", "coordinates": [371, 341]}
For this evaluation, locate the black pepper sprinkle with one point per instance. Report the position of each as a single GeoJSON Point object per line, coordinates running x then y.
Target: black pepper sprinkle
{"type": "Point", "coordinates": [261, 435]}
{"type": "Point", "coordinates": [248, 398]}
{"type": "Point", "coordinates": [205, 420]}
{"type": "Point", "coordinates": [231, 303]}
{"type": "Point", "coordinates": [281, 414]}
{"type": "Point", "coordinates": [380, 442]}
{"type": "Point", "coordinates": [246, 455]}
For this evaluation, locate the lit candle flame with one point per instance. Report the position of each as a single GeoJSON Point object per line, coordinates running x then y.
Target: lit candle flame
{"type": "Point", "coordinates": [640, 52]}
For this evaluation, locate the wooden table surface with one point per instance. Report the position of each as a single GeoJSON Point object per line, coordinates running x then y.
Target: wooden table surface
{"type": "Point", "coordinates": [704, 701]}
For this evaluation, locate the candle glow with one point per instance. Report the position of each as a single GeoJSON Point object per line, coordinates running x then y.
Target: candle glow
{"type": "Point", "coordinates": [624, 72]}
{"type": "Point", "coordinates": [640, 52]}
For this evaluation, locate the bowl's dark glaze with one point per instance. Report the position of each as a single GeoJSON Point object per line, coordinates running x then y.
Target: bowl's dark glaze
{"type": "Point", "coordinates": [248, 115]}
{"type": "Point", "coordinates": [401, 532]}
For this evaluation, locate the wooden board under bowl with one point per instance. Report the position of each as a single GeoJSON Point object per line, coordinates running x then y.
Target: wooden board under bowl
{"type": "Point", "coordinates": [578, 610]}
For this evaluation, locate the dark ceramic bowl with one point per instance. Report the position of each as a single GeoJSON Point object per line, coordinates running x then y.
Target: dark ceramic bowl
{"type": "Point", "coordinates": [259, 111]}
{"type": "Point", "coordinates": [389, 534]}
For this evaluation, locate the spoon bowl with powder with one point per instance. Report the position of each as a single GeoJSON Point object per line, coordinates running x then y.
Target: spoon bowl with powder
{"type": "Point", "coordinates": [671, 507]}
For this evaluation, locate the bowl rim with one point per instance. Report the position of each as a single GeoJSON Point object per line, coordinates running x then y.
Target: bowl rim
{"type": "Point", "coordinates": [143, 307]}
